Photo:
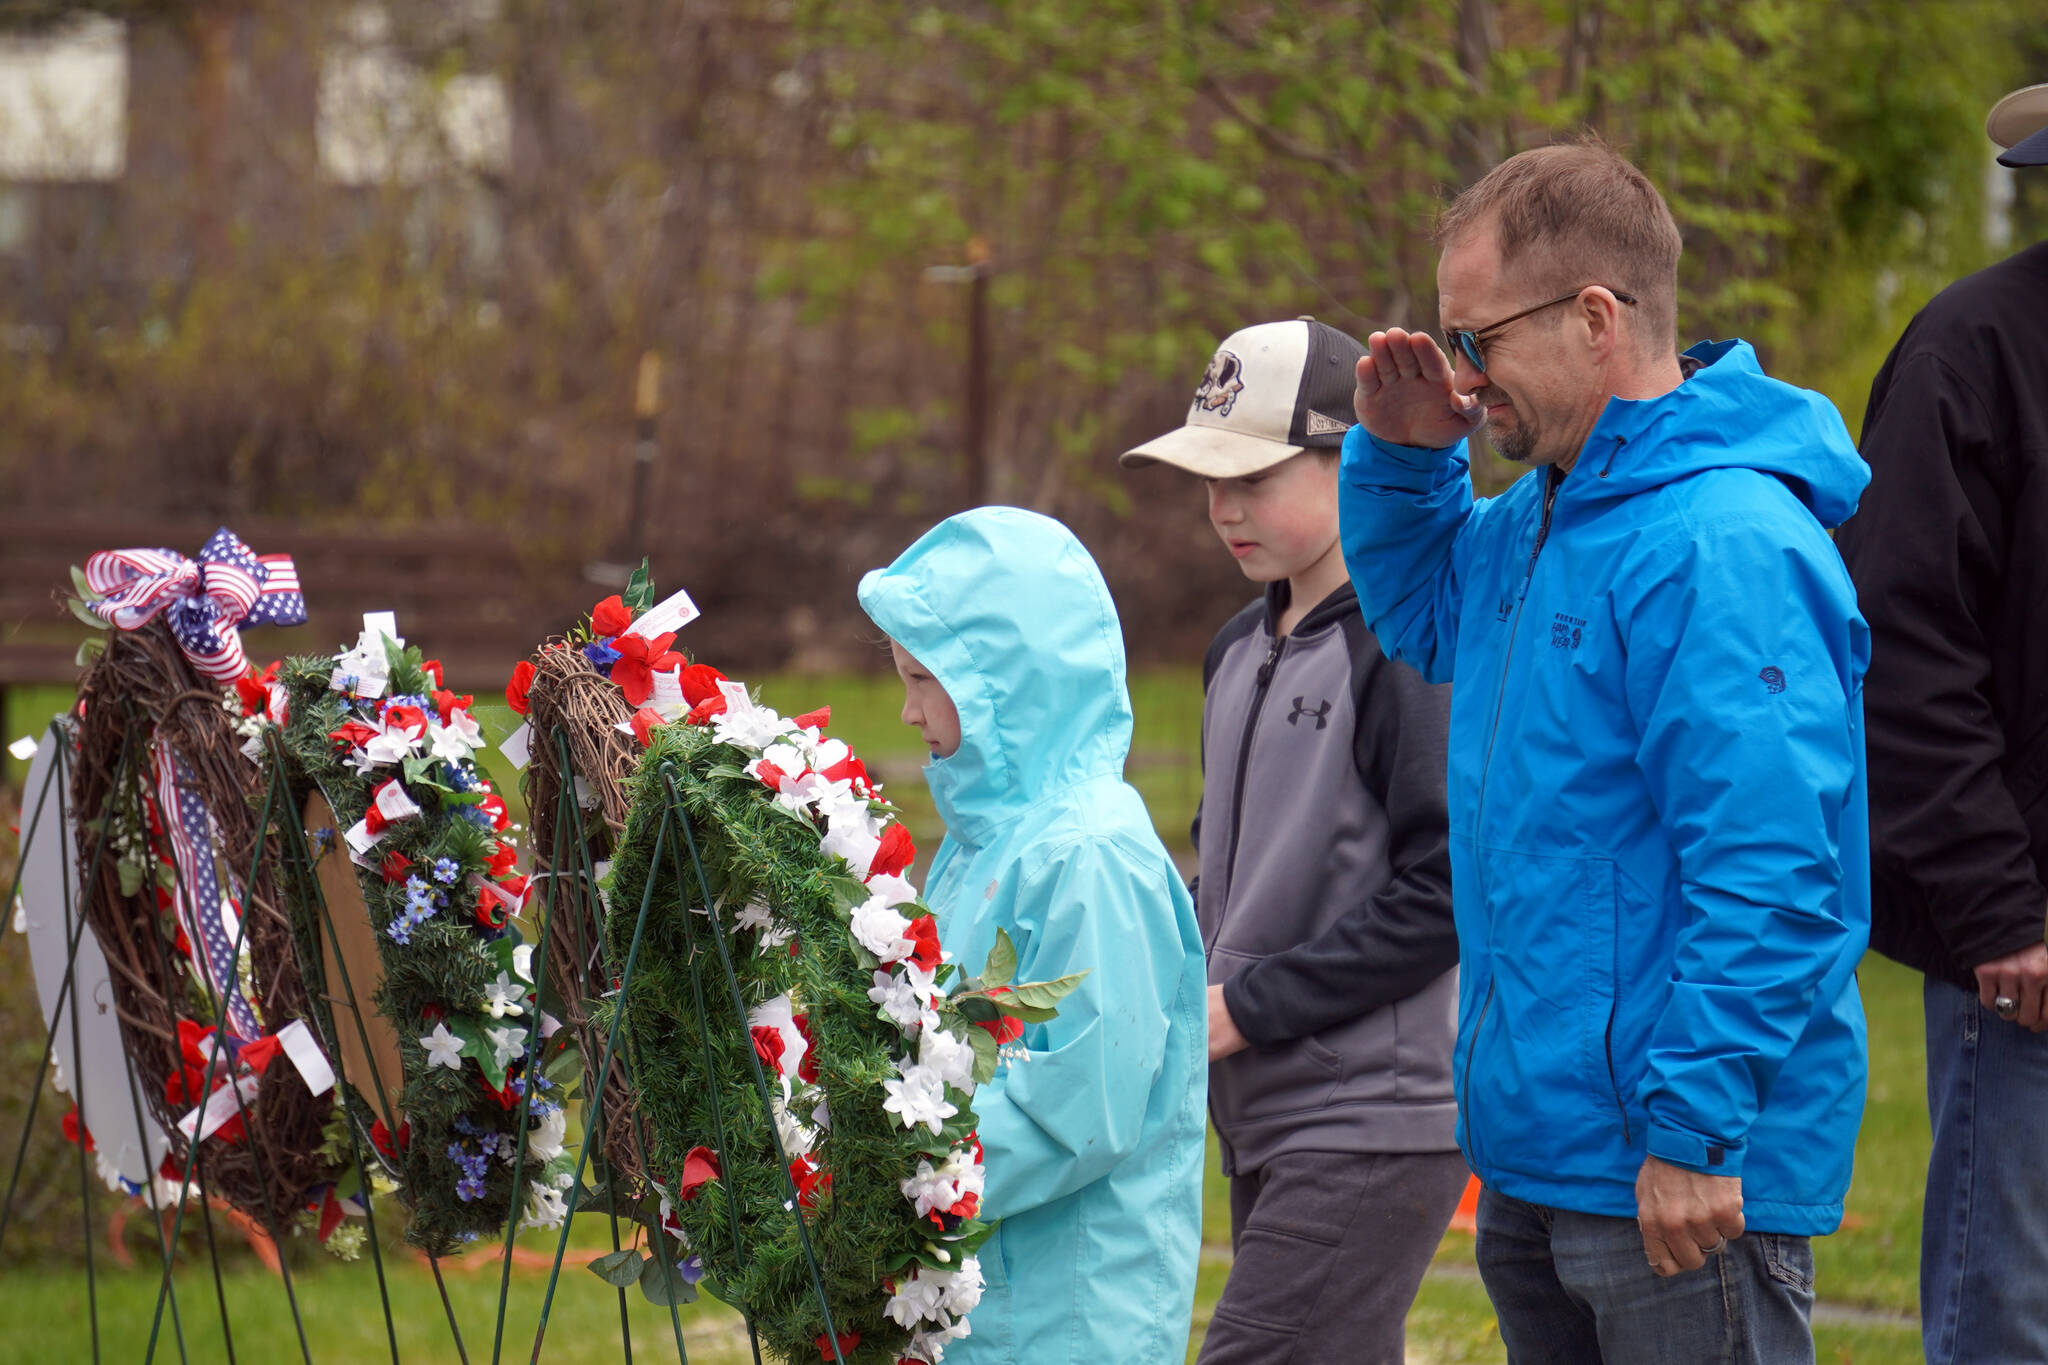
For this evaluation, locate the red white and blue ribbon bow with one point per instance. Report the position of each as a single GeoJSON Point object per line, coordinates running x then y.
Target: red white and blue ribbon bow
{"type": "Point", "coordinates": [206, 602]}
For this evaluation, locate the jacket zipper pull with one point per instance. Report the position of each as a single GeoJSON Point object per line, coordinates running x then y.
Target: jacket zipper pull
{"type": "Point", "coordinates": [1266, 668]}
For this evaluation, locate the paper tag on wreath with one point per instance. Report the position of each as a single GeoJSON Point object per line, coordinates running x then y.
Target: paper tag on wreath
{"type": "Point", "coordinates": [299, 1044]}
{"type": "Point", "coordinates": [672, 613]}
{"type": "Point", "coordinates": [518, 746]}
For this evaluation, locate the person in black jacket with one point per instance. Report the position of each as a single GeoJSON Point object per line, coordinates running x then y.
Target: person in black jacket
{"type": "Point", "coordinates": [1323, 888]}
{"type": "Point", "coordinates": [1950, 556]}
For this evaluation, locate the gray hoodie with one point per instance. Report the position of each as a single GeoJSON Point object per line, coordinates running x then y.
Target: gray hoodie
{"type": "Point", "coordinates": [1324, 889]}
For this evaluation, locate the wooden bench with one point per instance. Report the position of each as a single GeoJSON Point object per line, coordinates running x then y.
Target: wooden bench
{"type": "Point", "coordinates": [464, 595]}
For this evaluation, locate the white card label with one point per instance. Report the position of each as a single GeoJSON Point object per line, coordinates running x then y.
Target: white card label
{"type": "Point", "coordinates": [671, 614]}
{"type": "Point", "coordinates": [383, 623]}
{"type": "Point", "coordinates": [299, 1045]}
{"type": "Point", "coordinates": [518, 746]}
{"type": "Point", "coordinates": [24, 748]}
{"type": "Point", "coordinates": [360, 840]}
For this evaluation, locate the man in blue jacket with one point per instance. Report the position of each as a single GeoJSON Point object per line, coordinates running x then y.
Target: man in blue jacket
{"type": "Point", "coordinates": [1658, 836]}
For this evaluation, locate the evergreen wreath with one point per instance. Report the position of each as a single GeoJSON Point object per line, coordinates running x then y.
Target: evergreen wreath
{"type": "Point", "coordinates": [374, 730]}
{"type": "Point", "coordinates": [869, 1127]}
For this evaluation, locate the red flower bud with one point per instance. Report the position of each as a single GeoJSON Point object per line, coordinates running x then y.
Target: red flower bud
{"type": "Point", "coordinates": [610, 617]}
{"type": "Point", "coordinates": [522, 683]}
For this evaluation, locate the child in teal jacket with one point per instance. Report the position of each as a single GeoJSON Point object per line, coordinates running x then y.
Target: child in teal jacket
{"type": "Point", "coordinates": [1014, 669]}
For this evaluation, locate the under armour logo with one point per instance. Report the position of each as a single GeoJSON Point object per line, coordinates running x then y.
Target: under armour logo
{"type": "Point", "coordinates": [1321, 714]}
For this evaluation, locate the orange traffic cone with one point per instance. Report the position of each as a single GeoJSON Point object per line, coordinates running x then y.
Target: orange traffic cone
{"type": "Point", "coordinates": [1466, 1219]}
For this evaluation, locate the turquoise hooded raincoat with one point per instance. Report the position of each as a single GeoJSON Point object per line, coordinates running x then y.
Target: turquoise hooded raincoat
{"type": "Point", "coordinates": [1094, 1141]}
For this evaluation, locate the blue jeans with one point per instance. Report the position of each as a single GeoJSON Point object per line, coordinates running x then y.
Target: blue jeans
{"type": "Point", "coordinates": [1576, 1289]}
{"type": "Point", "coordinates": [1984, 1233]}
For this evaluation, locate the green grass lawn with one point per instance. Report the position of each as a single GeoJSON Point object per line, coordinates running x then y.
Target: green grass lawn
{"type": "Point", "coordinates": [1870, 1266]}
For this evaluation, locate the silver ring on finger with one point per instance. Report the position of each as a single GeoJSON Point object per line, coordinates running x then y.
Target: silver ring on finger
{"type": "Point", "coordinates": [1716, 1247]}
{"type": "Point", "coordinates": [2005, 1007]}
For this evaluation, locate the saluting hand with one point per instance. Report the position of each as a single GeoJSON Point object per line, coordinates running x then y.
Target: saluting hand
{"type": "Point", "coordinates": [1405, 395]}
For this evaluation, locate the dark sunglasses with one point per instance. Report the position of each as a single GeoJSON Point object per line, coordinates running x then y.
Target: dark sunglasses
{"type": "Point", "coordinates": [1472, 343]}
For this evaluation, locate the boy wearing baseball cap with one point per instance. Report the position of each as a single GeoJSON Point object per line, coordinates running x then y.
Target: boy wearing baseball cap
{"type": "Point", "coordinates": [1324, 884]}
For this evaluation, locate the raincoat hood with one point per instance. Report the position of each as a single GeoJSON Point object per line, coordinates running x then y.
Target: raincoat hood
{"type": "Point", "coordinates": [1012, 617]}
{"type": "Point", "coordinates": [1729, 414]}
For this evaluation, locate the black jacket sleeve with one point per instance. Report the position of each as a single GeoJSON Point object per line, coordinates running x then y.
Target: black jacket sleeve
{"type": "Point", "coordinates": [1928, 577]}
{"type": "Point", "coordinates": [1402, 938]}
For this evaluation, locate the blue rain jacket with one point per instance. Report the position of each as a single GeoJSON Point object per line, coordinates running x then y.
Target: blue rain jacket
{"type": "Point", "coordinates": [1659, 848]}
{"type": "Point", "coordinates": [1094, 1143]}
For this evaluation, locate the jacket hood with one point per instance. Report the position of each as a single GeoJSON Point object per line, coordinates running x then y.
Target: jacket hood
{"type": "Point", "coordinates": [1729, 414]}
{"type": "Point", "coordinates": [1012, 617]}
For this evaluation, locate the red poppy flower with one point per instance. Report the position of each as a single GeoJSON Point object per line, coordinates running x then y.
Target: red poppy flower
{"type": "Point", "coordinates": [432, 668]}
{"type": "Point", "coordinates": [505, 1095]}
{"type": "Point", "coordinates": [254, 696]}
{"type": "Point", "coordinates": [394, 866]}
{"type": "Point", "coordinates": [169, 1169]}
{"type": "Point", "coordinates": [448, 703]}
{"type": "Point", "coordinates": [700, 684]}
{"type": "Point", "coordinates": [847, 1341]}
{"type": "Point", "coordinates": [768, 1046]}
{"type": "Point", "coordinates": [639, 660]}
{"type": "Point", "coordinates": [610, 617]}
{"type": "Point", "coordinates": [894, 853]}
{"type": "Point", "coordinates": [817, 719]}
{"type": "Point", "coordinates": [352, 735]}
{"type": "Point", "coordinates": [75, 1132]}
{"type": "Point", "coordinates": [703, 711]}
{"type": "Point", "coordinates": [924, 932]}
{"type": "Point", "coordinates": [644, 721]}
{"type": "Point", "coordinates": [490, 911]}
{"type": "Point", "coordinates": [811, 1181]}
{"type": "Point", "coordinates": [380, 1137]}
{"type": "Point", "coordinates": [700, 1165]}
{"type": "Point", "coordinates": [771, 776]}
{"type": "Point", "coordinates": [522, 683]}
{"type": "Point", "coordinates": [504, 859]}
{"type": "Point", "coordinates": [494, 806]}
{"type": "Point", "coordinates": [409, 720]}
{"type": "Point", "coordinates": [968, 1206]}
{"type": "Point", "coordinates": [182, 944]}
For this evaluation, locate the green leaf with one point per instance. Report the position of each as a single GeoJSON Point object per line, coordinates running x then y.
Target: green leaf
{"type": "Point", "coordinates": [663, 1287]}
{"type": "Point", "coordinates": [1002, 962]}
{"type": "Point", "coordinates": [89, 649]}
{"type": "Point", "coordinates": [620, 1268]}
{"type": "Point", "coordinates": [1046, 994]}
{"type": "Point", "coordinates": [977, 1009]}
{"type": "Point", "coordinates": [984, 1045]}
{"type": "Point", "coordinates": [80, 586]}
{"type": "Point", "coordinates": [80, 610]}
{"type": "Point", "coordinates": [420, 772]}
{"type": "Point", "coordinates": [639, 593]}
{"type": "Point", "coordinates": [131, 877]}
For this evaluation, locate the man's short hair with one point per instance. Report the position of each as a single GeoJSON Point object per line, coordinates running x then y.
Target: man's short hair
{"type": "Point", "coordinates": [1578, 213]}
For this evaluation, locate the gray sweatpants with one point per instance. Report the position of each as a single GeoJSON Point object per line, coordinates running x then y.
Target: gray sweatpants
{"type": "Point", "coordinates": [1331, 1248]}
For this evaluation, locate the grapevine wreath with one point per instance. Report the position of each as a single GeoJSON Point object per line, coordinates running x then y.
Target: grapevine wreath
{"type": "Point", "coordinates": [584, 687]}
{"type": "Point", "coordinates": [170, 810]}
{"type": "Point", "coordinates": [374, 735]}
{"type": "Point", "coordinates": [870, 1066]}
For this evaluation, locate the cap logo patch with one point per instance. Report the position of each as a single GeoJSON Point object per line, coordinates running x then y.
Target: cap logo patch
{"type": "Point", "coordinates": [1222, 382]}
{"type": "Point", "coordinates": [1319, 425]}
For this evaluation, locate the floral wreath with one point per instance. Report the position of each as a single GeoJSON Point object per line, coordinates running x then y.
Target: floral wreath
{"type": "Point", "coordinates": [393, 750]}
{"type": "Point", "coordinates": [873, 1066]}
